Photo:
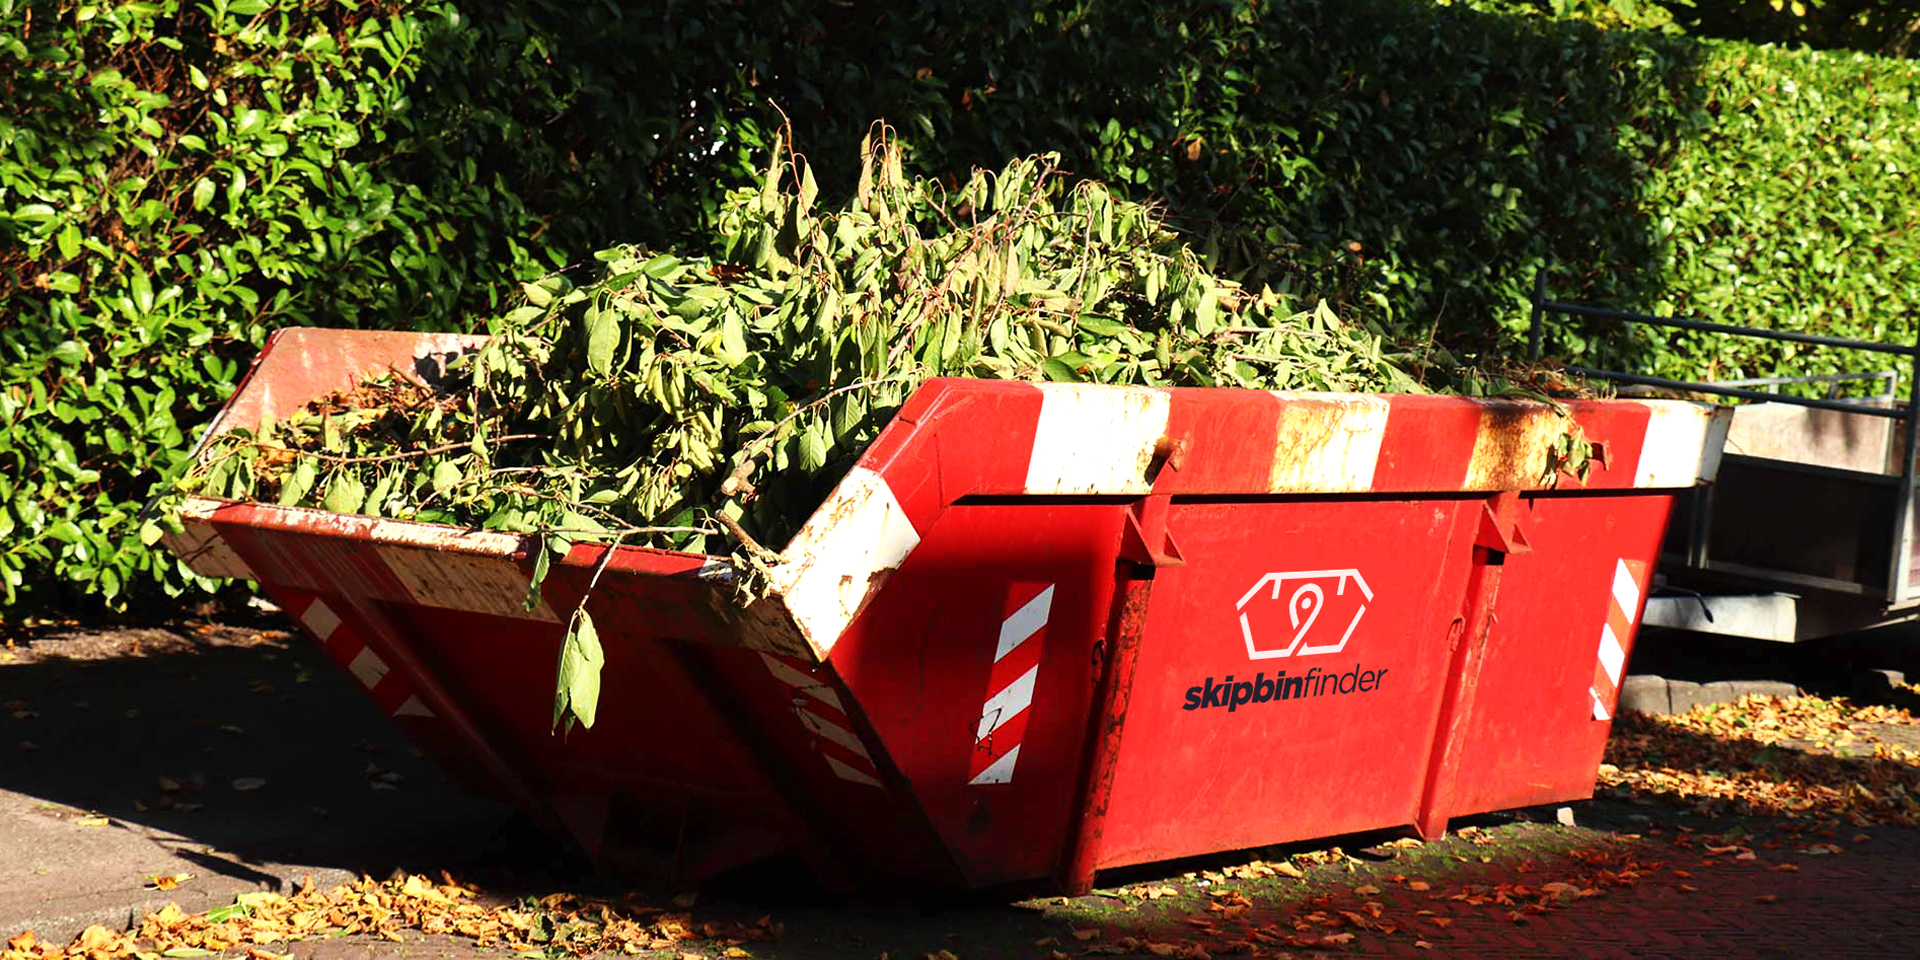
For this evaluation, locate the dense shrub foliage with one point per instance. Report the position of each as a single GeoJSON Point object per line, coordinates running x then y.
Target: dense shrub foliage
{"type": "Point", "coordinates": [177, 180]}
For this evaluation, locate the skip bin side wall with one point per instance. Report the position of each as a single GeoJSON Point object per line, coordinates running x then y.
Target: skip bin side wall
{"type": "Point", "coordinates": [1007, 504]}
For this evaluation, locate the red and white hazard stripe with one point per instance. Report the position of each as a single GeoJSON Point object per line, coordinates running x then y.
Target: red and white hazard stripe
{"type": "Point", "coordinates": [346, 646]}
{"type": "Point", "coordinates": [819, 710]}
{"type": "Point", "coordinates": [1016, 668]}
{"type": "Point", "coordinates": [1623, 601]}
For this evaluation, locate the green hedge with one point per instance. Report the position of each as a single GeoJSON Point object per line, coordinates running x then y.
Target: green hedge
{"type": "Point", "coordinates": [1796, 205]}
{"type": "Point", "coordinates": [176, 180]}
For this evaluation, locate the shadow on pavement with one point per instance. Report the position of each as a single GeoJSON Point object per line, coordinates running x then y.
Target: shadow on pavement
{"type": "Point", "coordinates": [235, 746]}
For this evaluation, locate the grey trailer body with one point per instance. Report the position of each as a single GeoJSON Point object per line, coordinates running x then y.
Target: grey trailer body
{"type": "Point", "coordinates": [1808, 532]}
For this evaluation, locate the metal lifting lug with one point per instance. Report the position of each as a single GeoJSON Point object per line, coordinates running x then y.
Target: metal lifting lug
{"type": "Point", "coordinates": [1500, 525]}
{"type": "Point", "coordinates": [1145, 539]}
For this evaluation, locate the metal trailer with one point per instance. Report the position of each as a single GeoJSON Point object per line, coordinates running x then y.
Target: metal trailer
{"type": "Point", "coordinates": [1039, 630]}
{"type": "Point", "coordinates": [1808, 531]}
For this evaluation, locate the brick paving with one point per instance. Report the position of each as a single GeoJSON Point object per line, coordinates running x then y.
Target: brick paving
{"type": "Point", "coordinates": [1859, 903]}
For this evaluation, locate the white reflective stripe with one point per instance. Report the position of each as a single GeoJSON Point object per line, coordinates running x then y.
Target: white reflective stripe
{"type": "Point", "coordinates": [1327, 443]}
{"type": "Point", "coordinates": [413, 708]}
{"type": "Point", "coordinates": [835, 733]}
{"type": "Point", "coordinates": [320, 619]}
{"type": "Point", "coordinates": [1024, 623]}
{"type": "Point", "coordinates": [201, 547]}
{"type": "Point", "coordinates": [1599, 706]}
{"type": "Point", "coordinates": [1000, 771]}
{"type": "Point", "coordinates": [1095, 439]}
{"type": "Point", "coordinates": [1007, 704]}
{"type": "Point", "coordinates": [1626, 592]}
{"type": "Point", "coordinates": [1683, 443]}
{"type": "Point", "coordinates": [830, 566]}
{"type": "Point", "coordinates": [368, 667]}
{"type": "Point", "coordinates": [459, 581]}
{"type": "Point", "coordinates": [817, 689]}
{"type": "Point", "coordinates": [1612, 658]}
{"type": "Point", "coordinates": [845, 772]}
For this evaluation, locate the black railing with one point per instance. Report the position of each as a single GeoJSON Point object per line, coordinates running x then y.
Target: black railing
{"type": "Point", "coordinates": [1909, 414]}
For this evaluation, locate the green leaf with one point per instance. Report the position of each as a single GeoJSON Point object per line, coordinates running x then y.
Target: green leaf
{"type": "Point", "coordinates": [577, 693]}
{"type": "Point", "coordinates": [603, 337]}
{"type": "Point", "coordinates": [69, 241]}
{"type": "Point", "coordinates": [445, 476]}
{"type": "Point", "coordinates": [542, 563]}
{"type": "Point", "coordinates": [733, 339]}
{"type": "Point", "coordinates": [1059, 372]}
{"type": "Point", "coordinates": [813, 447]}
{"type": "Point", "coordinates": [1204, 313]}
{"type": "Point", "coordinates": [345, 493]}
{"type": "Point", "coordinates": [142, 291]}
{"type": "Point", "coordinates": [298, 483]}
{"type": "Point", "coordinates": [203, 193]}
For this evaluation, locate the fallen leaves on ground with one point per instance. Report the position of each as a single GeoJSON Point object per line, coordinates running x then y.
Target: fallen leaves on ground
{"type": "Point", "coordinates": [1747, 756]}
{"type": "Point", "coordinates": [561, 925]}
{"type": "Point", "coordinates": [1233, 923]}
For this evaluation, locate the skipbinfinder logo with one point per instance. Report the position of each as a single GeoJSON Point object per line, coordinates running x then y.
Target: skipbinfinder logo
{"type": "Point", "coordinates": [1302, 632]}
{"type": "Point", "coordinates": [1233, 695]}
{"type": "Point", "coordinates": [1268, 638]}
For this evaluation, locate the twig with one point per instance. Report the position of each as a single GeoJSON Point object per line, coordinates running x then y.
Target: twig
{"type": "Point", "coordinates": [746, 540]}
{"type": "Point", "coordinates": [815, 402]}
{"type": "Point", "coordinates": [409, 455]}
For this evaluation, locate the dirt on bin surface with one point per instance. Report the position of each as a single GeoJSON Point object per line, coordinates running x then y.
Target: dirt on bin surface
{"type": "Point", "coordinates": [166, 791]}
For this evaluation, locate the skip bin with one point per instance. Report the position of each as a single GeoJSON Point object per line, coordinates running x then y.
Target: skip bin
{"type": "Point", "coordinates": [1038, 631]}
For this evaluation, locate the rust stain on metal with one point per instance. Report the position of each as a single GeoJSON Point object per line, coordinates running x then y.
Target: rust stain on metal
{"type": "Point", "coordinates": [1510, 450]}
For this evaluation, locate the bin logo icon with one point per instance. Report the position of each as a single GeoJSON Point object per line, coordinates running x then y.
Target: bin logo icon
{"type": "Point", "coordinates": [1306, 597]}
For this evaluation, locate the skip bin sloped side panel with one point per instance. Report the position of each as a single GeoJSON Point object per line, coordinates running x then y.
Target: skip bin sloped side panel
{"type": "Point", "coordinates": [1198, 775]}
{"type": "Point", "coordinates": [1563, 629]}
{"type": "Point", "coordinates": [653, 735]}
{"type": "Point", "coordinates": [973, 667]}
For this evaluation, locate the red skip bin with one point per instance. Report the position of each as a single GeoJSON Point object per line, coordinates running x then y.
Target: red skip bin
{"type": "Point", "coordinates": [1038, 631]}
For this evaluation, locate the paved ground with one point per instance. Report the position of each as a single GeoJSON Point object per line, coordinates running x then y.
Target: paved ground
{"type": "Point", "coordinates": [235, 754]}
{"type": "Point", "coordinates": [230, 753]}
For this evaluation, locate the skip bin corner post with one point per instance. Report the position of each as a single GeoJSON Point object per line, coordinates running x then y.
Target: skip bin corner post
{"type": "Point", "coordinates": [1146, 545]}
{"type": "Point", "coordinates": [1494, 531]}
{"type": "Point", "coordinates": [1901, 591]}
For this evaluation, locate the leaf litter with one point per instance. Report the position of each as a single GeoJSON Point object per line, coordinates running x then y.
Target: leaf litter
{"type": "Point", "coordinates": [261, 925]}
{"type": "Point", "coordinates": [1775, 756]}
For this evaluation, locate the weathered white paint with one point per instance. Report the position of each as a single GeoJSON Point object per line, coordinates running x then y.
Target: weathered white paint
{"type": "Point", "coordinates": [1095, 440]}
{"type": "Point", "coordinates": [1683, 445]}
{"type": "Point", "coordinates": [1327, 442]}
{"type": "Point", "coordinates": [854, 538]}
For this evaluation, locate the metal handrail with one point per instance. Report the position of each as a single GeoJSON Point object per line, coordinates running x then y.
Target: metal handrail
{"type": "Point", "coordinates": [1909, 415]}
{"type": "Point", "coordinates": [1890, 377]}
